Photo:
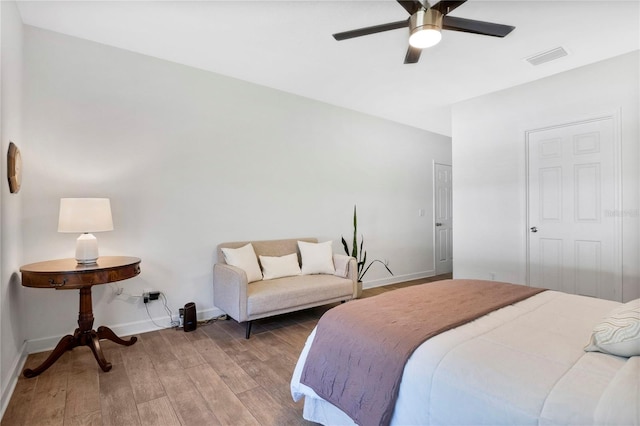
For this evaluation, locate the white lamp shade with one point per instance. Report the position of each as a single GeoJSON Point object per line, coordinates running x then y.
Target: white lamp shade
{"type": "Point", "coordinates": [85, 215]}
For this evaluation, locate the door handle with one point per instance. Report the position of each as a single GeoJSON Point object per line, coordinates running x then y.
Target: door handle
{"type": "Point", "coordinates": [438, 224]}
{"type": "Point", "coordinates": [534, 229]}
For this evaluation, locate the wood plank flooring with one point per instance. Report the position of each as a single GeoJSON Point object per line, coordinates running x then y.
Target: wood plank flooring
{"type": "Point", "coordinates": [211, 376]}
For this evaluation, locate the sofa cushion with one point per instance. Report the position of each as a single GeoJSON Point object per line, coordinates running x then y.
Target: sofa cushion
{"type": "Point", "coordinates": [341, 262]}
{"type": "Point", "coordinates": [279, 266]}
{"type": "Point", "coordinates": [282, 293]}
{"type": "Point", "coordinates": [267, 247]}
{"type": "Point", "coordinates": [317, 258]}
{"type": "Point", "coordinates": [245, 259]}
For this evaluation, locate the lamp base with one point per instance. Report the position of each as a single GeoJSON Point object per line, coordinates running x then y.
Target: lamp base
{"type": "Point", "coordinates": [86, 249]}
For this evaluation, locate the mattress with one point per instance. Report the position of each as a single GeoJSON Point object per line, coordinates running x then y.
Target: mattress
{"type": "Point", "coordinates": [522, 364]}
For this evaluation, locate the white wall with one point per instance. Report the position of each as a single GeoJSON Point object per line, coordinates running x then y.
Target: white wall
{"type": "Point", "coordinates": [489, 164]}
{"type": "Point", "coordinates": [11, 333]}
{"type": "Point", "coordinates": [191, 159]}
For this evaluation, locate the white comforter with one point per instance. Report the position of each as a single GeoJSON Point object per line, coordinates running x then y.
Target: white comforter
{"type": "Point", "coordinates": [523, 364]}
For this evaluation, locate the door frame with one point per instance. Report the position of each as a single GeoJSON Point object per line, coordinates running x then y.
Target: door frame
{"type": "Point", "coordinates": [433, 223]}
{"type": "Point", "coordinates": [617, 160]}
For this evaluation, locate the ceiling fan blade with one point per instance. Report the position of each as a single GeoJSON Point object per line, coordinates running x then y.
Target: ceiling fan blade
{"type": "Point", "coordinates": [476, 27]}
{"type": "Point", "coordinates": [413, 55]}
{"type": "Point", "coordinates": [446, 6]}
{"type": "Point", "coordinates": [411, 6]}
{"type": "Point", "coordinates": [371, 30]}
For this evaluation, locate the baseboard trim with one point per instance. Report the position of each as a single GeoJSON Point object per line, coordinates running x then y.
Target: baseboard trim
{"type": "Point", "coordinates": [16, 370]}
{"type": "Point", "coordinates": [127, 329]}
{"type": "Point", "coordinates": [398, 279]}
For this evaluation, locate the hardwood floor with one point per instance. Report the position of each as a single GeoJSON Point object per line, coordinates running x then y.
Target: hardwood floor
{"type": "Point", "coordinates": [211, 376]}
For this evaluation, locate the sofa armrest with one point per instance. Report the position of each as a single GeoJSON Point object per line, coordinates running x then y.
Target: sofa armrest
{"type": "Point", "coordinates": [230, 290]}
{"type": "Point", "coordinates": [352, 274]}
{"type": "Point", "coordinates": [347, 267]}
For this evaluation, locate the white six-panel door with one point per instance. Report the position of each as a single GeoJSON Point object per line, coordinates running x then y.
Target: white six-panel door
{"type": "Point", "coordinates": [573, 200]}
{"type": "Point", "coordinates": [443, 216]}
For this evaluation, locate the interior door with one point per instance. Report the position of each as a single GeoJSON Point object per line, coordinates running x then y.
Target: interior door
{"type": "Point", "coordinates": [572, 200]}
{"type": "Point", "coordinates": [443, 219]}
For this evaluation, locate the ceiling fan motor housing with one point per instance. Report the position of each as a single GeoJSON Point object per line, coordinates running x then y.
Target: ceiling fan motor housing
{"type": "Point", "coordinates": [423, 20]}
{"type": "Point", "coordinates": [430, 19]}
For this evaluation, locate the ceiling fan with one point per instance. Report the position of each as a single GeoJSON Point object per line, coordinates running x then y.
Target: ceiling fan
{"type": "Point", "coordinates": [425, 25]}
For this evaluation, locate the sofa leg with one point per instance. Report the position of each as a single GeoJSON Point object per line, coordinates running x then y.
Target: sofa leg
{"type": "Point", "coordinates": [247, 330]}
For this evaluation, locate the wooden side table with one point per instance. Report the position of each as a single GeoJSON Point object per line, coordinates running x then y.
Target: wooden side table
{"type": "Point", "coordinates": [66, 274]}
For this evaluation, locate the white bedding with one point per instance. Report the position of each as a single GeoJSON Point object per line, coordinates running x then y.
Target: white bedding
{"type": "Point", "coordinates": [523, 364]}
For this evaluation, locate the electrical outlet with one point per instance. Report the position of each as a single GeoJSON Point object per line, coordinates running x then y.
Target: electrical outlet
{"type": "Point", "coordinates": [150, 295]}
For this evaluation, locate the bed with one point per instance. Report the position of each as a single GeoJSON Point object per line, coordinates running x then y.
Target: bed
{"type": "Point", "coordinates": [523, 363]}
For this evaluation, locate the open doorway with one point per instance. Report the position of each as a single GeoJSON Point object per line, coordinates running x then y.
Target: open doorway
{"type": "Point", "coordinates": [442, 215]}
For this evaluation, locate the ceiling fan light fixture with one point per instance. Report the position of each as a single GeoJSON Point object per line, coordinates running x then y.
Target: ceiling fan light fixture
{"type": "Point", "coordinates": [424, 38]}
{"type": "Point", "coordinates": [424, 28]}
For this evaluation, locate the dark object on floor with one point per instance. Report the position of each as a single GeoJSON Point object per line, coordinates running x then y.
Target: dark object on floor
{"type": "Point", "coordinates": [190, 317]}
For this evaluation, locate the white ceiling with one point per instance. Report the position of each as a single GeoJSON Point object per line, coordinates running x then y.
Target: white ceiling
{"type": "Point", "coordinates": [287, 45]}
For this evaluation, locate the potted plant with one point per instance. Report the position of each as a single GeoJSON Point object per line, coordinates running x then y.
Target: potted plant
{"type": "Point", "coordinates": [361, 255]}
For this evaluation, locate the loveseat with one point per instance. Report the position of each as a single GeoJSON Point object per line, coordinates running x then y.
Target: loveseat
{"type": "Point", "coordinates": [246, 299]}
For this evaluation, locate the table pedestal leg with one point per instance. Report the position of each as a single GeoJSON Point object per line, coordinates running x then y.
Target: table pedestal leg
{"type": "Point", "coordinates": [83, 336]}
{"type": "Point", "coordinates": [107, 333]}
{"type": "Point", "coordinates": [94, 344]}
{"type": "Point", "coordinates": [67, 343]}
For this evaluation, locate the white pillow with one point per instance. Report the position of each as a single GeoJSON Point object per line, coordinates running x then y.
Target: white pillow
{"type": "Point", "coordinates": [341, 263]}
{"type": "Point", "coordinates": [317, 258]}
{"type": "Point", "coordinates": [619, 332]}
{"type": "Point", "coordinates": [282, 266]}
{"type": "Point", "coordinates": [245, 259]}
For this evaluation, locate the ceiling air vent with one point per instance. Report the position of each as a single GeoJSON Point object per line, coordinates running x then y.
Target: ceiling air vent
{"type": "Point", "coordinates": [549, 55]}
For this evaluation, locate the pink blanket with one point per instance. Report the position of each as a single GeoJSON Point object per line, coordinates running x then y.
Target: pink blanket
{"type": "Point", "coordinates": [360, 348]}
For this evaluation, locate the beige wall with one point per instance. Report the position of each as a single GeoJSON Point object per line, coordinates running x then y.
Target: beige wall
{"type": "Point", "coordinates": [489, 189]}
{"type": "Point", "coordinates": [191, 159]}
{"type": "Point", "coordinates": [11, 333]}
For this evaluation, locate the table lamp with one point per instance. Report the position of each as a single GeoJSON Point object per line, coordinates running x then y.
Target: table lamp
{"type": "Point", "coordinates": [85, 215]}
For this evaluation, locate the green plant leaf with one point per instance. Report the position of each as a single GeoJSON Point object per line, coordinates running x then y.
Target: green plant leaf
{"type": "Point", "coordinates": [344, 244]}
{"type": "Point", "coordinates": [354, 252]}
{"type": "Point", "coordinates": [388, 269]}
{"type": "Point", "coordinates": [360, 276]}
{"type": "Point", "coordinates": [355, 219]}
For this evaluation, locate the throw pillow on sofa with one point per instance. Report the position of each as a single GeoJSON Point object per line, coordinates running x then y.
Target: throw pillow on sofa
{"type": "Point", "coordinates": [279, 266]}
{"type": "Point", "coordinates": [341, 263]}
{"type": "Point", "coordinates": [245, 259]}
{"type": "Point", "coordinates": [317, 258]}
